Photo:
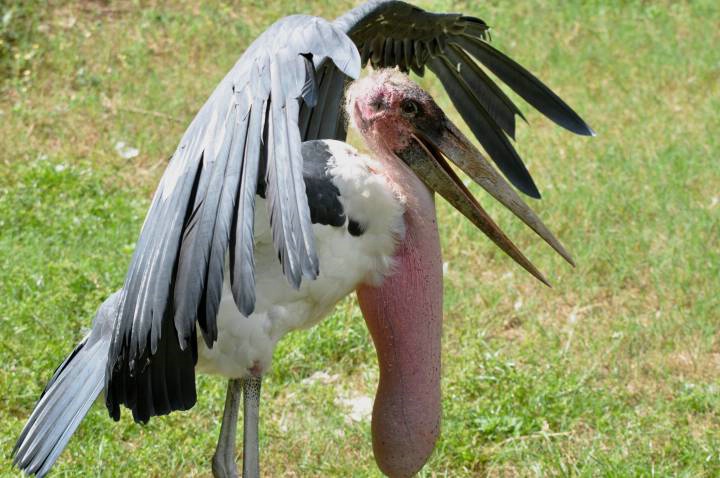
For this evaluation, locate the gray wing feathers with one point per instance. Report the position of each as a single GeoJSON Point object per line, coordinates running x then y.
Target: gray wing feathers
{"type": "Point", "coordinates": [67, 397]}
{"type": "Point", "coordinates": [284, 214]}
{"type": "Point", "coordinates": [224, 222]}
{"type": "Point", "coordinates": [242, 262]}
{"type": "Point", "coordinates": [193, 259]}
{"type": "Point", "coordinates": [205, 203]}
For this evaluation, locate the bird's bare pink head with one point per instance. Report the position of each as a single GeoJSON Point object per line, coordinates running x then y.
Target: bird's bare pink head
{"type": "Point", "coordinates": [386, 106]}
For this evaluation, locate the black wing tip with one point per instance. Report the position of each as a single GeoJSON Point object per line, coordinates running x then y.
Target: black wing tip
{"type": "Point", "coordinates": [519, 176]}
{"type": "Point", "coordinates": [575, 125]}
{"type": "Point", "coordinates": [528, 188]}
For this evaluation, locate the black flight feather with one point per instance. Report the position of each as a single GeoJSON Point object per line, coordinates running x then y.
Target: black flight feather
{"type": "Point", "coordinates": [526, 85]}
{"type": "Point", "coordinates": [485, 129]}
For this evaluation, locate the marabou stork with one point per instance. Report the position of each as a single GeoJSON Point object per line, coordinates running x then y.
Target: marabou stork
{"type": "Point", "coordinates": [205, 288]}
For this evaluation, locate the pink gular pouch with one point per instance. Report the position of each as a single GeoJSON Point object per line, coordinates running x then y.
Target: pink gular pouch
{"type": "Point", "coordinates": [404, 316]}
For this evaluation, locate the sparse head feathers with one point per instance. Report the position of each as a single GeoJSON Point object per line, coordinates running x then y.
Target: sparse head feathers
{"type": "Point", "coordinates": [386, 107]}
{"type": "Point", "coordinates": [386, 82]}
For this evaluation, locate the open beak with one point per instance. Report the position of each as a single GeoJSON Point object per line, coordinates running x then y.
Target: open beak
{"type": "Point", "coordinates": [426, 157]}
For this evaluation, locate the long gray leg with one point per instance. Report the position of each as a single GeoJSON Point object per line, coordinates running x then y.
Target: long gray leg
{"type": "Point", "coordinates": [251, 417]}
{"type": "Point", "coordinates": [223, 463]}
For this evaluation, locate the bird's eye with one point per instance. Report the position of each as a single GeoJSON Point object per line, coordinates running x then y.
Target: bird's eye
{"type": "Point", "coordinates": [410, 108]}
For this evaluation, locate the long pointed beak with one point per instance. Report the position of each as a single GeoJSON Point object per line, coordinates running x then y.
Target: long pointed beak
{"type": "Point", "coordinates": [455, 146]}
{"type": "Point", "coordinates": [427, 159]}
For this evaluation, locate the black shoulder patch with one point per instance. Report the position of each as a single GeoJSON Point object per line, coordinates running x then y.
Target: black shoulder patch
{"type": "Point", "coordinates": [355, 228]}
{"type": "Point", "coordinates": [323, 196]}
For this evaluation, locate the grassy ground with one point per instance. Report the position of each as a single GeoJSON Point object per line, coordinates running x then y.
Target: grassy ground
{"type": "Point", "coordinates": [613, 372]}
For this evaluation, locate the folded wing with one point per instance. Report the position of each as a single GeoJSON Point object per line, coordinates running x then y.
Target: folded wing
{"type": "Point", "coordinates": [245, 134]}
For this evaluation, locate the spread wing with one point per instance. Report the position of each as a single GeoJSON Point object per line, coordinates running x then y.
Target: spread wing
{"type": "Point", "coordinates": [456, 48]}
{"type": "Point", "coordinates": [246, 133]}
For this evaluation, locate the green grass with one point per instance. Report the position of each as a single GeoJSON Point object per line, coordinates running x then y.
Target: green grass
{"type": "Point", "coordinates": [613, 372]}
